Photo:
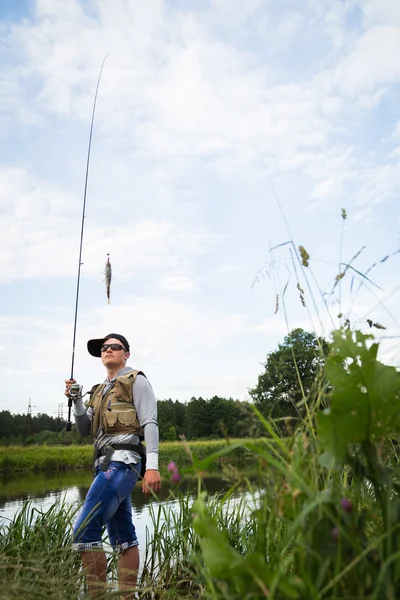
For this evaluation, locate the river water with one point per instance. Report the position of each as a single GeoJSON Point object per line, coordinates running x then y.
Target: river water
{"type": "Point", "coordinates": [43, 490]}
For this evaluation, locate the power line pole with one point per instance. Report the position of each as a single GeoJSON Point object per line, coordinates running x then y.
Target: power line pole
{"type": "Point", "coordinates": [61, 411]}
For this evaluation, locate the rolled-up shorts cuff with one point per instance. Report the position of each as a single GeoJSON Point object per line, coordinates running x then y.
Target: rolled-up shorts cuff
{"type": "Point", "coordinates": [84, 546]}
{"type": "Point", "coordinates": [120, 548]}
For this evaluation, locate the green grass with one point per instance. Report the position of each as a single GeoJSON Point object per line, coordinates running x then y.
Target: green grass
{"type": "Point", "coordinates": [63, 458]}
{"type": "Point", "coordinates": [322, 522]}
{"type": "Point", "coordinates": [44, 458]}
{"type": "Point", "coordinates": [36, 560]}
{"type": "Point", "coordinates": [287, 537]}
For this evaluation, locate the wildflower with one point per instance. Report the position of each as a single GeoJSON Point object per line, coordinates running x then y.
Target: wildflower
{"type": "Point", "coordinates": [346, 505]}
{"type": "Point", "coordinates": [175, 477]}
{"type": "Point", "coordinates": [173, 469]}
{"type": "Point", "coordinates": [335, 533]}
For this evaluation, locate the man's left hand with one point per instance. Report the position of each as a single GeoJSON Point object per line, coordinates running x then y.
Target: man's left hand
{"type": "Point", "coordinates": [151, 481]}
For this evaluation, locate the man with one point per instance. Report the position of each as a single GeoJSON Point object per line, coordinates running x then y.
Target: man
{"type": "Point", "coordinates": [119, 410]}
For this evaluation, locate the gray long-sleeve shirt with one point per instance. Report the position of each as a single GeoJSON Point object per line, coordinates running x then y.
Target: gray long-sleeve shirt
{"type": "Point", "coordinates": [146, 409]}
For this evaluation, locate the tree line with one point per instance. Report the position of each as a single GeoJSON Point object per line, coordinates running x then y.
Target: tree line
{"type": "Point", "coordinates": [198, 419]}
{"type": "Point", "coordinates": [292, 372]}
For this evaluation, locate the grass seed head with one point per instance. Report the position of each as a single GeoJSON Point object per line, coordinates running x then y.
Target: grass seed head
{"type": "Point", "coordinates": [303, 302]}
{"type": "Point", "coordinates": [276, 304]}
{"type": "Point", "coordinates": [304, 256]}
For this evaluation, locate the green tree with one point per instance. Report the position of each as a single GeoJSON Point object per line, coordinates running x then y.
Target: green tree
{"type": "Point", "coordinates": [180, 416]}
{"type": "Point", "coordinates": [172, 436]}
{"type": "Point", "coordinates": [198, 424]}
{"type": "Point", "coordinates": [247, 422]}
{"type": "Point", "coordinates": [222, 415]}
{"type": "Point", "coordinates": [165, 417]}
{"type": "Point", "coordinates": [16, 428]}
{"type": "Point", "coordinates": [290, 373]}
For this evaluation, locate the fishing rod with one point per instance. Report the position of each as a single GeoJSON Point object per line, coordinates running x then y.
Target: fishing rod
{"type": "Point", "coordinates": [77, 387]}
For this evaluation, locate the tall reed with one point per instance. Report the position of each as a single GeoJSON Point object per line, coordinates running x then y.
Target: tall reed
{"type": "Point", "coordinates": [36, 560]}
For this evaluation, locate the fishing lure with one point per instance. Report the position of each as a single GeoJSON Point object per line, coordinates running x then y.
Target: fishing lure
{"type": "Point", "coordinates": [107, 275]}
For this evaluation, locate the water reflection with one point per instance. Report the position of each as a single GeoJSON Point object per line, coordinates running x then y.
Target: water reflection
{"type": "Point", "coordinates": [46, 489]}
{"type": "Point", "coordinates": [37, 486]}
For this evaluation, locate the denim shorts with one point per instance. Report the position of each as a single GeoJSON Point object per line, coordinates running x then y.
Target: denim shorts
{"type": "Point", "coordinates": [108, 502]}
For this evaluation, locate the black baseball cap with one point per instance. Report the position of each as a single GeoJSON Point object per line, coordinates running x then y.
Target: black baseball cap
{"type": "Point", "coordinates": [94, 346]}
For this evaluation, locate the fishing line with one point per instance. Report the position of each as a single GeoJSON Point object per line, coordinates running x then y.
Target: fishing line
{"type": "Point", "coordinates": [81, 240]}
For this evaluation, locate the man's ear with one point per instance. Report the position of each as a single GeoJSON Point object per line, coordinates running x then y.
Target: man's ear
{"type": "Point", "coordinates": [127, 355]}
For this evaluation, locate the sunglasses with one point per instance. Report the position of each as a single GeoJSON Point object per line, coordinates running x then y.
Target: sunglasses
{"type": "Point", "coordinates": [115, 347]}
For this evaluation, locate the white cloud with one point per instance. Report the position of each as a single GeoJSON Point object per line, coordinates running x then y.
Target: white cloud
{"type": "Point", "coordinates": [274, 326]}
{"type": "Point", "coordinates": [41, 228]}
{"type": "Point", "coordinates": [189, 100]}
{"type": "Point", "coordinates": [168, 339]}
{"type": "Point", "coordinates": [176, 94]}
{"type": "Point", "coordinates": [230, 268]}
{"type": "Point", "coordinates": [372, 62]}
{"type": "Point", "coordinates": [380, 11]}
{"type": "Point", "coordinates": [179, 283]}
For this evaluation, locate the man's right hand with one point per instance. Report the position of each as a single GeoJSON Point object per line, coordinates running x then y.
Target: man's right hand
{"type": "Point", "coordinates": [68, 383]}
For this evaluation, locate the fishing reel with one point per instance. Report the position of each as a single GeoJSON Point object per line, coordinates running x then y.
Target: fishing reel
{"type": "Point", "coordinates": [75, 392]}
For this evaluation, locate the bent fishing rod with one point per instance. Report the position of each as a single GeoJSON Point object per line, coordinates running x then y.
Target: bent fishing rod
{"type": "Point", "coordinates": [77, 388]}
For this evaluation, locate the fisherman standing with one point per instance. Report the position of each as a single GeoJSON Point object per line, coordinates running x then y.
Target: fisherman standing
{"type": "Point", "coordinates": [119, 411]}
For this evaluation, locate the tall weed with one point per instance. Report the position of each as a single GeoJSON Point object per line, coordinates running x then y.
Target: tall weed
{"type": "Point", "coordinates": [36, 559]}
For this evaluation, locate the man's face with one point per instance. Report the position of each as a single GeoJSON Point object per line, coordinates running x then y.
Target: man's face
{"type": "Point", "coordinates": [113, 358]}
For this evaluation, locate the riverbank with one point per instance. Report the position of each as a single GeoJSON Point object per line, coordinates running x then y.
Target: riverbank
{"type": "Point", "coordinates": [66, 458]}
{"type": "Point", "coordinates": [39, 565]}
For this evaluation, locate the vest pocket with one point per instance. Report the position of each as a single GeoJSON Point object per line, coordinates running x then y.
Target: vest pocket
{"type": "Point", "coordinates": [119, 422]}
{"type": "Point", "coordinates": [111, 421]}
{"type": "Point", "coordinates": [126, 420]}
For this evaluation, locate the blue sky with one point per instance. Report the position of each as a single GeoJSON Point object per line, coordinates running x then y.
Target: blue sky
{"type": "Point", "coordinates": [201, 105]}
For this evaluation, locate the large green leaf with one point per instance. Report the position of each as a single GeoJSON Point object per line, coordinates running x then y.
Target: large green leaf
{"type": "Point", "coordinates": [365, 402]}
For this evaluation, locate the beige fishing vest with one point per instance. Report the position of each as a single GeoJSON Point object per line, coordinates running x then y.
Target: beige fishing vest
{"type": "Point", "coordinates": [115, 412]}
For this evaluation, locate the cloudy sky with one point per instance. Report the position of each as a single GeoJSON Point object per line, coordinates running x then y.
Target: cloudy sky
{"type": "Point", "coordinates": [226, 135]}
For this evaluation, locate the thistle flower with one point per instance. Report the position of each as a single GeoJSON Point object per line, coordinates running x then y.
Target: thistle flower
{"type": "Point", "coordinates": [173, 469]}
{"type": "Point", "coordinates": [346, 505]}
{"type": "Point", "coordinates": [175, 477]}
